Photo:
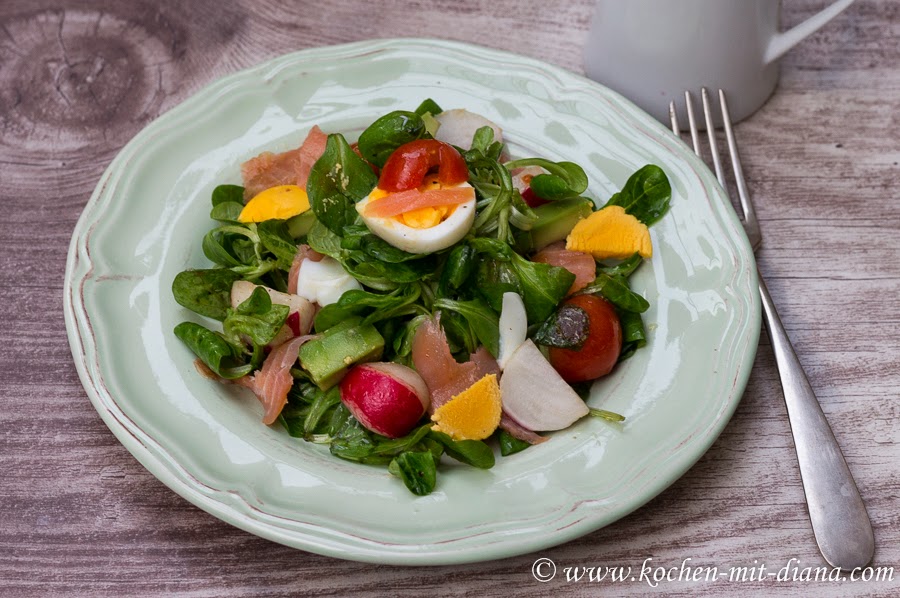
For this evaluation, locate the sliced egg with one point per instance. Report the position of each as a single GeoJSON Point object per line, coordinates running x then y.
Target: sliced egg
{"type": "Point", "coordinates": [281, 202]}
{"type": "Point", "coordinates": [421, 230]}
{"type": "Point", "coordinates": [324, 282]}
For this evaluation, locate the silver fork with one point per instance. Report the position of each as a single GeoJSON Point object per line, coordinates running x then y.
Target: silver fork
{"type": "Point", "coordinates": [839, 519]}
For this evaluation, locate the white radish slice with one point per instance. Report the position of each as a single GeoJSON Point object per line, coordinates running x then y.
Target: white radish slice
{"type": "Point", "coordinates": [535, 395]}
{"type": "Point", "coordinates": [513, 327]}
{"type": "Point", "coordinates": [458, 127]}
{"type": "Point", "coordinates": [242, 289]}
{"type": "Point", "coordinates": [521, 178]}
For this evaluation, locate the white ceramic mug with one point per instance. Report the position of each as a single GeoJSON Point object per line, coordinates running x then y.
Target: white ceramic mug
{"type": "Point", "coordinates": [651, 51]}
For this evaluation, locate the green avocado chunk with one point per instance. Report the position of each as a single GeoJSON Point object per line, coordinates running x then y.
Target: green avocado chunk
{"type": "Point", "coordinates": [555, 221]}
{"type": "Point", "coordinates": [328, 357]}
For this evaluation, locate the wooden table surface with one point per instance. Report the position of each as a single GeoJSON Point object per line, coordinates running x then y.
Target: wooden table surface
{"type": "Point", "coordinates": [78, 514]}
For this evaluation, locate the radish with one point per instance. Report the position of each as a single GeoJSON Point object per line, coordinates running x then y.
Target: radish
{"type": "Point", "coordinates": [513, 327]}
{"type": "Point", "coordinates": [535, 395]}
{"type": "Point", "coordinates": [296, 325]}
{"type": "Point", "coordinates": [387, 398]}
{"type": "Point", "coordinates": [458, 127]}
{"type": "Point", "coordinates": [521, 180]}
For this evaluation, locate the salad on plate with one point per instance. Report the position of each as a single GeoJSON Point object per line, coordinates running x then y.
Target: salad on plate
{"type": "Point", "coordinates": [420, 293]}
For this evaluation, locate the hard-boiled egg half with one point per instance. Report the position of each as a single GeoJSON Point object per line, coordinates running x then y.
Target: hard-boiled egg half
{"type": "Point", "coordinates": [423, 220]}
{"type": "Point", "coordinates": [324, 281]}
{"type": "Point", "coordinates": [281, 202]}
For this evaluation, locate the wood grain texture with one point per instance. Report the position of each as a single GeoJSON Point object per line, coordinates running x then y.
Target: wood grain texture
{"type": "Point", "coordinates": [79, 516]}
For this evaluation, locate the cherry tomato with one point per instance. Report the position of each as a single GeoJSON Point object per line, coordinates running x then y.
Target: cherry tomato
{"type": "Point", "coordinates": [407, 166]}
{"type": "Point", "coordinates": [600, 350]}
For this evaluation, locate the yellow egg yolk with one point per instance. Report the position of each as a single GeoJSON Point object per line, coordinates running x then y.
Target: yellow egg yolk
{"type": "Point", "coordinates": [610, 233]}
{"type": "Point", "coordinates": [276, 203]}
{"type": "Point", "coordinates": [473, 414]}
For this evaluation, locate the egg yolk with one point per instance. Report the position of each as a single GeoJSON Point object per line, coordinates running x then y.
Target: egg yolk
{"type": "Point", "coordinates": [420, 218]}
{"type": "Point", "coordinates": [425, 217]}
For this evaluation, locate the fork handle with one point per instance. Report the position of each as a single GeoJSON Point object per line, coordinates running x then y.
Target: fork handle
{"type": "Point", "coordinates": [836, 510]}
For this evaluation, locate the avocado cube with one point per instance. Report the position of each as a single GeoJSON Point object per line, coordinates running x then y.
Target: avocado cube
{"type": "Point", "coordinates": [328, 357]}
{"type": "Point", "coordinates": [555, 220]}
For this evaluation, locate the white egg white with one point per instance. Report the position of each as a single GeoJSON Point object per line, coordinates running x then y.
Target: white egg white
{"type": "Point", "coordinates": [422, 240]}
{"type": "Point", "coordinates": [324, 282]}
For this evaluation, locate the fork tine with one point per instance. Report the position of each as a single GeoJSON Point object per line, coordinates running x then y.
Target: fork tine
{"type": "Point", "coordinates": [711, 133]}
{"type": "Point", "coordinates": [750, 223]}
{"type": "Point", "coordinates": [692, 122]}
{"type": "Point", "coordinates": [673, 117]}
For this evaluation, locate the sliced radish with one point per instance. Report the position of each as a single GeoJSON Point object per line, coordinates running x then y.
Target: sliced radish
{"type": "Point", "coordinates": [535, 395]}
{"type": "Point", "coordinates": [387, 398]}
{"type": "Point", "coordinates": [305, 310]}
{"type": "Point", "coordinates": [407, 376]}
{"type": "Point", "coordinates": [513, 327]}
{"type": "Point", "coordinates": [458, 127]}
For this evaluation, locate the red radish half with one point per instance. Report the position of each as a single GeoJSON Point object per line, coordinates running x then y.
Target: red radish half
{"type": "Point", "coordinates": [387, 398]}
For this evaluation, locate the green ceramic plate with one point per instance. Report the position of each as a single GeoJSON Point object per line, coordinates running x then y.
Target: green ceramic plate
{"type": "Point", "coordinates": [144, 223]}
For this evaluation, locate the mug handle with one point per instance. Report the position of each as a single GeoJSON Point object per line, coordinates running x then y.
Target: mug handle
{"type": "Point", "coordinates": [784, 41]}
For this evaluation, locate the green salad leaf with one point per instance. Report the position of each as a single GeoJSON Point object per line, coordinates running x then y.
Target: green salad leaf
{"type": "Point", "coordinates": [373, 307]}
{"type": "Point", "coordinates": [615, 290]}
{"type": "Point", "coordinates": [275, 238]}
{"type": "Point", "coordinates": [214, 350]}
{"type": "Point", "coordinates": [458, 268]}
{"type": "Point", "coordinates": [428, 106]}
{"type": "Point", "coordinates": [633, 334]}
{"type": "Point", "coordinates": [417, 470]}
{"type": "Point", "coordinates": [227, 211]}
{"type": "Point", "coordinates": [509, 444]}
{"type": "Point", "coordinates": [228, 194]}
{"type": "Point", "coordinates": [565, 180]}
{"type": "Point", "coordinates": [645, 195]}
{"type": "Point", "coordinates": [471, 452]}
{"type": "Point", "coordinates": [543, 286]}
{"type": "Point", "coordinates": [336, 182]}
{"type": "Point", "coordinates": [257, 318]}
{"type": "Point", "coordinates": [325, 241]}
{"type": "Point", "coordinates": [483, 321]}
{"type": "Point", "coordinates": [566, 328]}
{"type": "Point", "coordinates": [206, 292]}
{"type": "Point", "coordinates": [389, 132]}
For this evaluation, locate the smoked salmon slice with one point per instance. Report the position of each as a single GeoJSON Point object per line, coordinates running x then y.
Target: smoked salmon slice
{"type": "Point", "coordinates": [516, 430]}
{"type": "Point", "coordinates": [287, 168]}
{"type": "Point", "coordinates": [581, 264]}
{"type": "Point", "coordinates": [272, 383]}
{"type": "Point", "coordinates": [443, 375]}
{"type": "Point", "coordinates": [406, 201]}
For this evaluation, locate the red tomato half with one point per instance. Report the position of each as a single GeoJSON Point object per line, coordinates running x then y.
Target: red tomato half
{"type": "Point", "coordinates": [601, 349]}
{"type": "Point", "coordinates": [408, 165]}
